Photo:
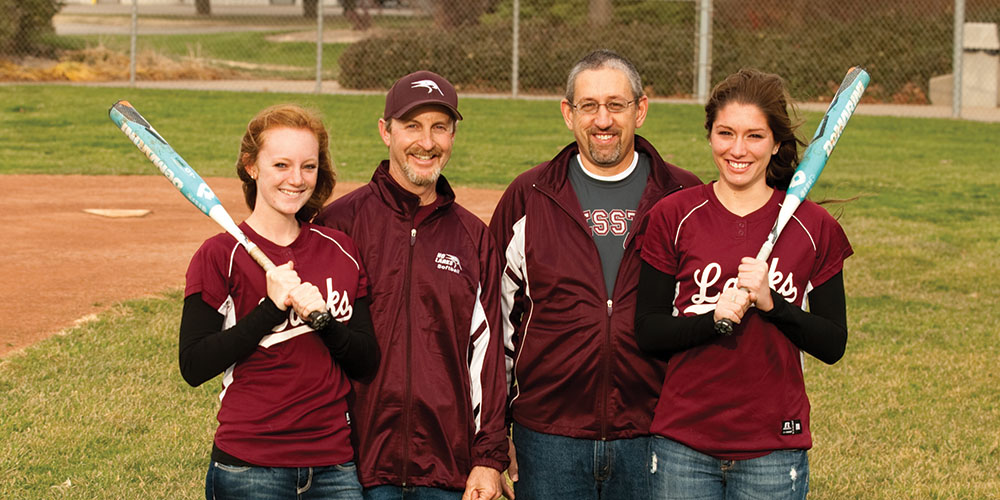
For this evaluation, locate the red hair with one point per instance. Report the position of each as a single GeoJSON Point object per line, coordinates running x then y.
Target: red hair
{"type": "Point", "coordinates": [291, 116]}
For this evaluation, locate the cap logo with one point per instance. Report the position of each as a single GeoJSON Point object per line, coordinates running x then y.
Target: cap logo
{"type": "Point", "coordinates": [426, 84]}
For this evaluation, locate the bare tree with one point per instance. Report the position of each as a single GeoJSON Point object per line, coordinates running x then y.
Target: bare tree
{"type": "Point", "coordinates": [600, 12]}
{"type": "Point", "coordinates": [203, 7]}
{"type": "Point", "coordinates": [452, 13]}
{"type": "Point", "coordinates": [310, 8]}
{"type": "Point", "coordinates": [358, 16]}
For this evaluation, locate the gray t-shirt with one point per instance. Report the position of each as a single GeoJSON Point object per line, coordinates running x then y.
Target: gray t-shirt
{"type": "Point", "coordinates": [609, 205]}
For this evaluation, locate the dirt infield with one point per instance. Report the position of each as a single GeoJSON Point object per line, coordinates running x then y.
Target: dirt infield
{"type": "Point", "coordinates": [62, 264]}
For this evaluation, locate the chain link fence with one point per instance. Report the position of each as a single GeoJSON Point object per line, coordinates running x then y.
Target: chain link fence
{"type": "Point", "coordinates": [526, 47]}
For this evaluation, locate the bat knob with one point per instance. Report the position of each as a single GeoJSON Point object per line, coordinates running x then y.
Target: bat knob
{"type": "Point", "coordinates": [318, 320]}
{"type": "Point", "coordinates": [724, 327]}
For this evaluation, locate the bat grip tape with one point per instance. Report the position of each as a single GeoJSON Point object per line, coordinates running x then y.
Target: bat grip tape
{"type": "Point", "coordinates": [260, 258]}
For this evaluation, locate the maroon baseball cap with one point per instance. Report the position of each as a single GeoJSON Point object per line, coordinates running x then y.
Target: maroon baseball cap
{"type": "Point", "coordinates": [415, 89]}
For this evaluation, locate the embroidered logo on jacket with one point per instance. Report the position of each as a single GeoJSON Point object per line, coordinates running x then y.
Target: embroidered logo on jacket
{"type": "Point", "coordinates": [426, 84]}
{"type": "Point", "coordinates": [448, 263]}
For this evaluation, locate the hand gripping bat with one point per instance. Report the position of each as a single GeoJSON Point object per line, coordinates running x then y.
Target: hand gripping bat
{"type": "Point", "coordinates": [191, 185]}
{"type": "Point", "coordinates": [845, 101]}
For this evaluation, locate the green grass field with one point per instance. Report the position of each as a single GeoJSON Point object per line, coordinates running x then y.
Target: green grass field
{"type": "Point", "coordinates": [266, 59]}
{"type": "Point", "coordinates": [912, 410]}
{"type": "Point", "coordinates": [253, 53]}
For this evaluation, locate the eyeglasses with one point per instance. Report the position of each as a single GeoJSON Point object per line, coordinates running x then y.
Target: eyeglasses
{"type": "Point", "coordinates": [591, 107]}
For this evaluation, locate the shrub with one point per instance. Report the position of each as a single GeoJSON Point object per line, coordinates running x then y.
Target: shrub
{"type": "Point", "coordinates": [578, 11]}
{"type": "Point", "coordinates": [25, 24]}
{"type": "Point", "coordinates": [813, 61]}
{"type": "Point", "coordinates": [477, 58]}
{"type": "Point", "coordinates": [453, 13]}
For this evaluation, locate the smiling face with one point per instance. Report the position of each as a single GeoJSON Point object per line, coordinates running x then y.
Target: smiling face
{"type": "Point", "coordinates": [742, 145]}
{"type": "Point", "coordinates": [419, 146]}
{"type": "Point", "coordinates": [606, 139]}
{"type": "Point", "coordinates": [286, 170]}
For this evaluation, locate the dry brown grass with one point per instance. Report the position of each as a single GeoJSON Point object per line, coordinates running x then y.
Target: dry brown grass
{"type": "Point", "coordinates": [96, 64]}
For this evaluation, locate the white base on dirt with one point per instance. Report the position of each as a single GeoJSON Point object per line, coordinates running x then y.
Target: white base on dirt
{"type": "Point", "coordinates": [118, 213]}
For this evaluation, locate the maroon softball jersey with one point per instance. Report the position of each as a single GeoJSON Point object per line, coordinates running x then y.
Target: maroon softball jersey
{"type": "Point", "coordinates": [284, 405]}
{"type": "Point", "coordinates": [740, 396]}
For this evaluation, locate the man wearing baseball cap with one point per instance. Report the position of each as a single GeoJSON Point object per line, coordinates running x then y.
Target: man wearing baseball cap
{"type": "Point", "coordinates": [430, 423]}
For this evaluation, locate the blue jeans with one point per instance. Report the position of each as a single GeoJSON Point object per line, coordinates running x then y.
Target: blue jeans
{"type": "Point", "coordinates": [552, 466]}
{"type": "Point", "coordinates": [390, 492]}
{"type": "Point", "coordinates": [682, 473]}
{"type": "Point", "coordinates": [230, 482]}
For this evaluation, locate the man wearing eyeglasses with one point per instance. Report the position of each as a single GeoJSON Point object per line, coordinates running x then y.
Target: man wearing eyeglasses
{"type": "Point", "coordinates": [581, 393]}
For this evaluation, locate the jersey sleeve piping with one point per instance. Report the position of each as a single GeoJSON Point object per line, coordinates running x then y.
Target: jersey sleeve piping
{"type": "Point", "coordinates": [680, 225]}
{"type": "Point", "coordinates": [335, 242]}
{"type": "Point", "coordinates": [812, 240]}
{"type": "Point", "coordinates": [232, 260]}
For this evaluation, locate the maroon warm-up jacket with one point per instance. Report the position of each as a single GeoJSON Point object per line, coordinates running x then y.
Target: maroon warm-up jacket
{"type": "Point", "coordinates": [574, 367]}
{"type": "Point", "coordinates": [435, 409]}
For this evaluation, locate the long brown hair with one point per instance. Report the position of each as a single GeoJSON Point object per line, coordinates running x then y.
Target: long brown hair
{"type": "Point", "coordinates": [291, 116]}
{"type": "Point", "coordinates": [766, 91]}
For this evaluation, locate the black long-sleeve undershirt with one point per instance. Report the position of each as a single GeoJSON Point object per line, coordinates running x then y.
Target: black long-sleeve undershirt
{"type": "Point", "coordinates": [821, 332]}
{"type": "Point", "coordinates": [205, 350]}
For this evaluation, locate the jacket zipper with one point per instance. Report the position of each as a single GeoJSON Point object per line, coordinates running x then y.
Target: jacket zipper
{"type": "Point", "coordinates": [408, 396]}
{"type": "Point", "coordinates": [606, 359]}
{"type": "Point", "coordinates": [607, 373]}
{"type": "Point", "coordinates": [607, 331]}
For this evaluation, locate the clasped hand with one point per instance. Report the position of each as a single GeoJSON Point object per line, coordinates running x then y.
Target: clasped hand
{"type": "Point", "coordinates": [752, 289]}
{"type": "Point", "coordinates": [286, 289]}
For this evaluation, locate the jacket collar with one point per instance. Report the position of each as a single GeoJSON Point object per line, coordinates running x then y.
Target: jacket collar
{"type": "Point", "coordinates": [399, 199]}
